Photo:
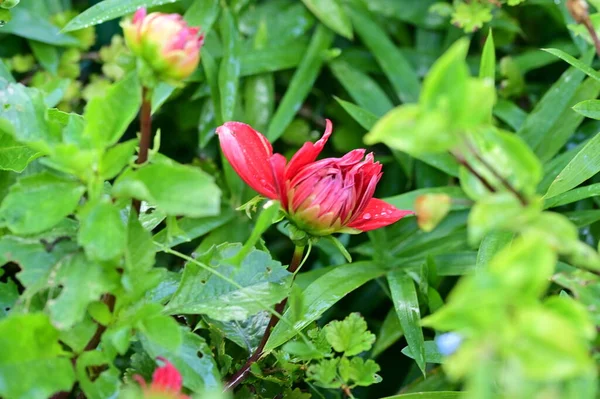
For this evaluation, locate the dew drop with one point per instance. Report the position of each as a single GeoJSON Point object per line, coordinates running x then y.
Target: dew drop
{"type": "Point", "coordinates": [263, 181]}
{"type": "Point", "coordinates": [367, 216]}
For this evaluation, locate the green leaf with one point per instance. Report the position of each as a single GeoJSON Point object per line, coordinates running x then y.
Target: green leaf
{"type": "Point", "coordinates": [83, 282]}
{"type": "Point", "coordinates": [193, 359]}
{"type": "Point", "coordinates": [107, 10]}
{"type": "Point", "coordinates": [116, 158]}
{"type": "Point", "coordinates": [548, 110]}
{"type": "Point", "coordinates": [510, 113]}
{"type": "Point", "coordinates": [407, 200]}
{"type": "Point", "coordinates": [31, 364]}
{"type": "Point", "coordinates": [432, 354]}
{"type": "Point", "coordinates": [364, 90]}
{"type": "Point", "coordinates": [568, 122]}
{"type": "Point", "coordinates": [47, 55]}
{"type": "Point", "coordinates": [104, 385]}
{"type": "Point", "coordinates": [29, 25]}
{"type": "Point", "coordinates": [259, 95]}
{"type": "Point", "coordinates": [490, 245]}
{"type": "Point", "coordinates": [322, 294]}
{"type": "Point", "coordinates": [9, 293]}
{"type": "Point", "coordinates": [361, 372]}
{"type": "Point", "coordinates": [5, 73]}
{"type": "Point", "coordinates": [33, 259]}
{"type": "Point", "coordinates": [585, 164]}
{"type": "Point", "coordinates": [14, 156]}
{"type": "Point", "coordinates": [582, 66]}
{"type": "Point", "coordinates": [258, 282]}
{"type": "Point", "coordinates": [399, 72]}
{"type": "Point", "coordinates": [574, 195]}
{"type": "Point", "coordinates": [108, 117]}
{"type": "Point", "coordinates": [406, 304]}
{"type": "Point", "coordinates": [350, 335]}
{"type": "Point", "coordinates": [428, 395]}
{"type": "Point", "coordinates": [140, 250]}
{"type": "Point", "coordinates": [301, 83]}
{"type": "Point", "coordinates": [588, 108]}
{"type": "Point", "coordinates": [271, 59]}
{"type": "Point", "coordinates": [173, 188]}
{"type": "Point", "coordinates": [509, 156]}
{"type": "Point", "coordinates": [229, 71]}
{"type": "Point", "coordinates": [102, 232]}
{"type": "Point", "coordinates": [203, 14]}
{"type": "Point", "coordinates": [332, 15]}
{"type": "Point", "coordinates": [38, 202]}
{"type": "Point", "coordinates": [192, 228]}
{"type": "Point", "coordinates": [23, 111]}
{"type": "Point", "coordinates": [364, 118]}
{"type": "Point", "coordinates": [163, 331]}
{"type": "Point", "coordinates": [245, 333]}
{"type": "Point", "coordinates": [325, 373]}
{"type": "Point", "coordinates": [487, 68]}
{"type": "Point", "coordinates": [390, 332]}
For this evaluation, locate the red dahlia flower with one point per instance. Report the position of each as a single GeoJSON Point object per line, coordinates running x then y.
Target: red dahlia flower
{"type": "Point", "coordinates": [320, 197]}
{"type": "Point", "coordinates": [166, 383]}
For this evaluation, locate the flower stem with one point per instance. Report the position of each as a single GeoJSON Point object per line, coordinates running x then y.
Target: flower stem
{"type": "Point", "coordinates": [145, 133]}
{"type": "Point", "coordinates": [243, 372]}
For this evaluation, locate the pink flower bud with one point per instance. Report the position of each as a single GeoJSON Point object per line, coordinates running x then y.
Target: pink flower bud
{"type": "Point", "coordinates": [166, 383]}
{"type": "Point", "coordinates": [320, 197]}
{"type": "Point", "coordinates": [165, 43]}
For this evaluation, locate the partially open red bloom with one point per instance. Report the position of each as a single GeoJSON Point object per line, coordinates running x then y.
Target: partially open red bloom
{"type": "Point", "coordinates": [320, 197]}
{"type": "Point", "coordinates": [166, 382]}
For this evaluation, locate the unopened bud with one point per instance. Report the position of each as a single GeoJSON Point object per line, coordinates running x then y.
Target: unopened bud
{"type": "Point", "coordinates": [165, 44]}
{"type": "Point", "coordinates": [579, 10]}
{"type": "Point", "coordinates": [431, 209]}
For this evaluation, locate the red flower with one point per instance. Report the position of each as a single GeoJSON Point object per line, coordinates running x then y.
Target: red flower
{"type": "Point", "coordinates": [320, 197]}
{"type": "Point", "coordinates": [166, 382]}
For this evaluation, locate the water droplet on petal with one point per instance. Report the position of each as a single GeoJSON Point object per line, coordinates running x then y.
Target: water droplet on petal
{"type": "Point", "coordinates": [263, 181]}
{"type": "Point", "coordinates": [367, 216]}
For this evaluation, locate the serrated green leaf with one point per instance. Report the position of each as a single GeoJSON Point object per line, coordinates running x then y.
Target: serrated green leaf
{"type": "Point", "coordinates": [175, 189]}
{"type": "Point", "coordinates": [260, 281]}
{"type": "Point", "coordinates": [357, 371]}
{"type": "Point", "coordinates": [31, 361]}
{"type": "Point", "coordinates": [325, 373]}
{"type": "Point", "coordinates": [350, 335]}
{"type": "Point", "coordinates": [38, 202]}
{"type": "Point", "coordinates": [323, 293]}
{"type": "Point", "coordinates": [102, 232]}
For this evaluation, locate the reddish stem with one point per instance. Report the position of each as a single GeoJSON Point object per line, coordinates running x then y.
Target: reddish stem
{"type": "Point", "coordinates": [145, 133]}
{"type": "Point", "coordinates": [242, 373]}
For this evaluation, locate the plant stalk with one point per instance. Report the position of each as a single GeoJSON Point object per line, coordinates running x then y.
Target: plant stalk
{"type": "Point", "coordinates": [243, 372]}
{"type": "Point", "coordinates": [145, 134]}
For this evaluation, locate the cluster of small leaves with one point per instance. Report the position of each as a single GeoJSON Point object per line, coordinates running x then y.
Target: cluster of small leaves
{"type": "Point", "coordinates": [330, 356]}
{"type": "Point", "coordinates": [471, 15]}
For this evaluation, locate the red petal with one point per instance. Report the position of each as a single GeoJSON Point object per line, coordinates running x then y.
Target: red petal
{"type": "Point", "coordinates": [167, 378]}
{"type": "Point", "coordinates": [139, 15]}
{"type": "Point", "coordinates": [308, 153]}
{"type": "Point", "coordinates": [377, 214]}
{"type": "Point", "coordinates": [278, 162]}
{"type": "Point", "coordinates": [249, 153]}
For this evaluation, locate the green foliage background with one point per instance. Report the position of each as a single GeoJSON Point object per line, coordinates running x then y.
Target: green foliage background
{"type": "Point", "coordinates": [511, 269]}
